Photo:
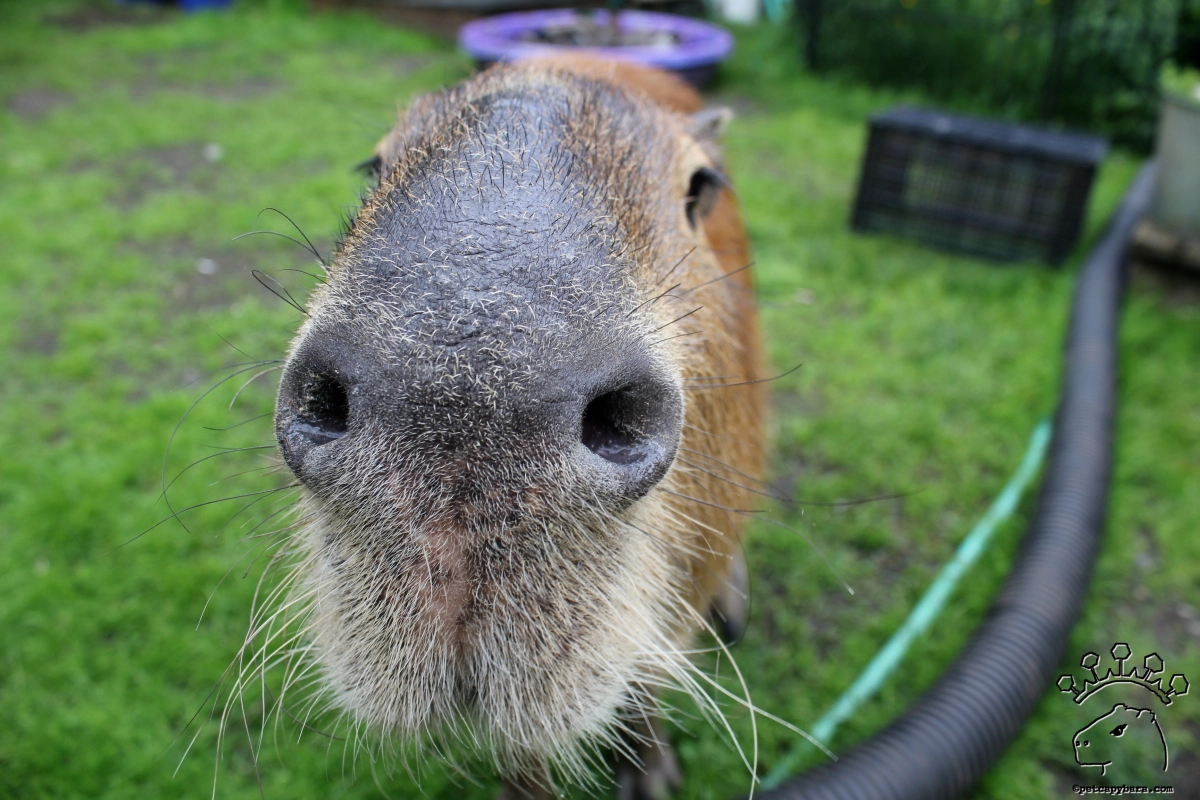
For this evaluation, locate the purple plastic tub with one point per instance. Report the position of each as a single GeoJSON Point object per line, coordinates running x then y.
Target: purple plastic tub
{"type": "Point", "coordinates": [694, 54]}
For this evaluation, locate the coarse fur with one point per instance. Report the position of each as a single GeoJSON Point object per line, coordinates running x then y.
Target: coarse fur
{"type": "Point", "coordinates": [463, 565]}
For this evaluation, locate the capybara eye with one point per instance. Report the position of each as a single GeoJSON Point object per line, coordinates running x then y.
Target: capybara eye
{"type": "Point", "coordinates": [370, 168]}
{"type": "Point", "coordinates": [325, 415]}
{"type": "Point", "coordinates": [703, 189]}
{"type": "Point", "coordinates": [1119, 730]}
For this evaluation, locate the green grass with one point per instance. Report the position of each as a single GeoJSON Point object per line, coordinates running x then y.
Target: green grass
{"type": "Point", "coordinates": [923, 376]}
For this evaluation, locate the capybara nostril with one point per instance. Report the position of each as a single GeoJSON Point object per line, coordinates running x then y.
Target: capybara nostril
{"type": "Point", "coordinates": [313, 410]}
{"type": "Point", "coordinates": [324, 414]}
{"type": "Point", "coordinates": [612, 428]}
{"type": "Point", "coordinates": [634, 428]}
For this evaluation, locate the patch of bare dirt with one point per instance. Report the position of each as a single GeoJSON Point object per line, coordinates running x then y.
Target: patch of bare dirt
{"type": "Point", "coordinates": [32, 105]}
{"type": "Point", "coordinates": [1176, 626]}
{"type": "Point", "coordinates": [143, 172]}
{"type": "Point", "coordinates": [246, 89]}
{"type": "Point", "coordinates": [170, 73]}
{"type": "Point", "coordinates": [207, 274]}
{"type": "Point", "coordinates": [92, 16]}
{"type": "Point", "coordinates": [188, 54]}
{"type": "Point", "coordinates": [42, 342]}
{"type": "Point", "coordinates": [401, 66]}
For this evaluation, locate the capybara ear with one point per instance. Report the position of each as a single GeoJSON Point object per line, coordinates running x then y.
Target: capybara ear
{"type": "Point", "coordinates": [703, 189]}
{"type": "Point", "coordinates": [709, 124]}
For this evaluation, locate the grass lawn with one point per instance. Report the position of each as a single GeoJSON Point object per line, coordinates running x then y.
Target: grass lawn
{"type": "Point", "coordinates": [134, 148]}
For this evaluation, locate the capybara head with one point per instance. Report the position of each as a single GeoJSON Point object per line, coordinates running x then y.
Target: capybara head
{"type": "Point", "coordinates": [507, 407]}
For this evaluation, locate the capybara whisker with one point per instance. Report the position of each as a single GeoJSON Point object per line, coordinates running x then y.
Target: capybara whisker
{"type": "Point", "coordinates": [238, 370]}
{"type": "Point", "coordinates": [213, 593]}
{"type": "Point", "coordinates": [251, 471]}
{"type": "Point", "coordinates": [748, 382]}
{"type": "Point", "coordinates": [307, 245]}
{"type": "Point", "coordinates": [711, 474]}
{"type": "Point", "coordinates": [676, 266]}
{"type": "Point", "coordinates": [720, 506]}
{"type": "Point", "coordinates": [292, 239]}
{"type": "Point", "coordinates": [255, 418]}
{"type": "Point", "coordinates": [676, 336]}
{"type": "Point", "coordinates": [677, 319]}
{"type": "Point", "coordinates": [221, 452]}
{"type": "Point", "coordinates": [717, 279]}
{"type": "Point", "coordinates": [317, 278]}
{"type": "Point", "coordinates": [286, 296]}
{"type": "Point", "coordinates": [251, 380]}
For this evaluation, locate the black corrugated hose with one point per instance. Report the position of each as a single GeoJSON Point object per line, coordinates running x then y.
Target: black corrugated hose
{"type": "Point", "coordinates": [942, 745]}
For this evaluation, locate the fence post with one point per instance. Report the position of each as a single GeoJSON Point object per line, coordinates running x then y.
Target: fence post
{"type": "Point", "coordinates": [1064, 15]}
{"type": "Point", "coordinates": [812, 40]}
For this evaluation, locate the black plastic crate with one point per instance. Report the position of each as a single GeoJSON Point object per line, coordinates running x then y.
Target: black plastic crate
{"type": "Point", "coordinates": [1001, 191]}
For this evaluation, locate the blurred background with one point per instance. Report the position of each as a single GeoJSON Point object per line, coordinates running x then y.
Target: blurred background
{"type": "Point", "coordinates": [137, 140]}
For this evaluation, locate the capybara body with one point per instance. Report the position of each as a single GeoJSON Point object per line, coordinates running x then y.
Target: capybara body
{"type": "Point", "coordinates": [525, 413]}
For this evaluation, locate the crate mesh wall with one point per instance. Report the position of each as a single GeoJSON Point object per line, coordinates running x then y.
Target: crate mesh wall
{"type": "Point", "coordinates": [1000, 191]}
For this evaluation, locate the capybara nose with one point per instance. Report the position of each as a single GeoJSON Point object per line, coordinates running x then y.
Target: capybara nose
{"type": "Point", "coordinates": [611, 425]}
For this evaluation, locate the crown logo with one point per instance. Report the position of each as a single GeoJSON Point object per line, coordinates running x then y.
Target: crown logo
{"type": "Point", "coordinates": [1149, 676]}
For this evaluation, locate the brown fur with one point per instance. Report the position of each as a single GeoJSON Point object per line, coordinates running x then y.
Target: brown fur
{"type": "Point", "coordinates": [546, 648]}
